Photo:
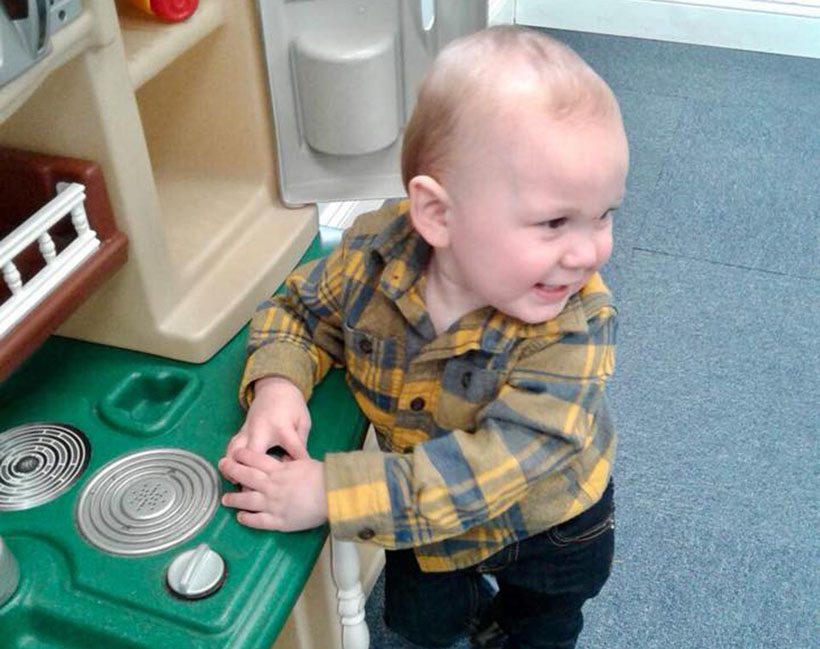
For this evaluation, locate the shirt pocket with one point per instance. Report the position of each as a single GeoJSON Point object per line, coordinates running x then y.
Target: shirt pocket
{"type": "Point", "coordinates": [465, 388]}
{"type": "Point", "coordinates": [374, 366]}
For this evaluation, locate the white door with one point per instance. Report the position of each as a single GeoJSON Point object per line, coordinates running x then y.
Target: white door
{"type": "Point", "coordinates": [779, 26]}
{"type": "Point", "coordinates": [342, 76]}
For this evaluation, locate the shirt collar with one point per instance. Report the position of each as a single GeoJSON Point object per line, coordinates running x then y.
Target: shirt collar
{"type": "Point", "coordinates": [405, 255]}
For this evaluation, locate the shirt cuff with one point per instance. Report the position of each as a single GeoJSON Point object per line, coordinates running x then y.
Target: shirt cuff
{"type": "Point", "coordinates": [358, 498]}
{"type": "Point", "coordinates": [277, 359]}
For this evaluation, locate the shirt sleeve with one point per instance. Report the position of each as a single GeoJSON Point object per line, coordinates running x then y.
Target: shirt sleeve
{"type": "Point", "coordinates": [298, 335]}
{"type": "Point", "coordinates": [543, 418]}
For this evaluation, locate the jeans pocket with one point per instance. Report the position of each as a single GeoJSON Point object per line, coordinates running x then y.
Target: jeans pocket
{"type": "Point", "coordinates": [499, 560]}
{"type": "Point", "coordinates": [562, 536]}
{"type": "Point", "coordinates": [587, 526]}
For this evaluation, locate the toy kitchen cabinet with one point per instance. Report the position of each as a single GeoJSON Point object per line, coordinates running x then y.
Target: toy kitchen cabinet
{"type": "Point", "coordinates": [177, 115]}
{"type": "Point", "coordinates": [215, 137]}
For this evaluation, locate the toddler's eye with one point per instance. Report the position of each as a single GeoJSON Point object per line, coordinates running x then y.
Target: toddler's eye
{"type": "Point", "coordinates": [555, 224]}
{"type": "Point", "coordinates": [605, 217]}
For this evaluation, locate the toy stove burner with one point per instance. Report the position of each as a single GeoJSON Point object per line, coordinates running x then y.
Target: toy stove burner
{"type": "Point", "coordinates": [147, 502]}
{"type": "Point", "coordinates": [38, 462]}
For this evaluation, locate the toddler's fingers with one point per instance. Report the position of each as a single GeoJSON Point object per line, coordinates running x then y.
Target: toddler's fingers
{"type": "Point", "coordinates": [251, 501]}
{"type": "Point", "coordinates": [303, 426]}
{"type": "Point", "coordinates": [260, 461]}
{"type": "Point", "coordinates": [238, 441]}
{"type": "Point", "coordinates": [259, 520]}
{"type": "Point", "coordinates": [247, 476]}
{"type": "Point", "coordinates": [258, 441]}
{"type": "Point", "coordinates": [294, 445]}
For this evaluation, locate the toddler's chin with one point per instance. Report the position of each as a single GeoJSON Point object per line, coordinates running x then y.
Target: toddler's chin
{"type": "Point", "coordinates": [537, 315]}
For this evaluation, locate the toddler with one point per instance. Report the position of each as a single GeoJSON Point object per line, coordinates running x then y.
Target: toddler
{"type": "Point", "coordinates": [478, 337]}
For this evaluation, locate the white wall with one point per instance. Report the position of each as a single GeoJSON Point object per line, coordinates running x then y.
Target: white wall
{"type": "Point", "coordinates": [780, 26]}
{"type": "Point", "coordinates": [501, 12]}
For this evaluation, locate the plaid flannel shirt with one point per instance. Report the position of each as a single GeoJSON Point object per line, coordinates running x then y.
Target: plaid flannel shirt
{"type": "Point", "coordinates": [489, 433]}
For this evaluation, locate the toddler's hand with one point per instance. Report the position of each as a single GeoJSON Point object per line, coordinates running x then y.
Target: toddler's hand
{"type": "Point", "coordinates": [278, 416]}
{"type": "Point", "coordinates": [285, 496]}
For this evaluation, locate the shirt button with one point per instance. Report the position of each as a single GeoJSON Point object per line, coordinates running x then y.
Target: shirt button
{"type": "Point", "coordinates": [365, 346]}
{"type": "Point", "coordinates": [466, 379]}
{"type": "Point", "coordinates": [417, 404]}
{"type": "Point", "coordinates": [366, 534]}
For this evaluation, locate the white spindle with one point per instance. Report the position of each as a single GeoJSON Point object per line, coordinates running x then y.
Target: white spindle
{"type": "Point", "coordinates": [47, 247]}
{"type": "Point", "coordinates": [13, 279]}
{"type": "Point", "coordinates": [79, 219]}
{"type": "Point", "coordinates": [345, 567]}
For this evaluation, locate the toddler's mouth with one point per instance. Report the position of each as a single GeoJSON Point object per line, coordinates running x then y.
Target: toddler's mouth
{"type": "Point", "coordinates": [551, 291]}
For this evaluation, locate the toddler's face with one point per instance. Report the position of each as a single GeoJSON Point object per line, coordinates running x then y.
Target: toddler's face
{"type": "Point", "coordinates": [532, 211]}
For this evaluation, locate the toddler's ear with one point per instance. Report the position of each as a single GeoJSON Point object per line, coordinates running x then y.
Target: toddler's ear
{"type": "Point", "coordinates": [429, 210]}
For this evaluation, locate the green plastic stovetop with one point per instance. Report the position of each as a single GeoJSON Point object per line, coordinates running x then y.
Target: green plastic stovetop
{"type": "Point", "coordinates": [74, 595]}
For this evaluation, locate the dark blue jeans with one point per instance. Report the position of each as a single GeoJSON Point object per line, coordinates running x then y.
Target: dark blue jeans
{"type": "Point", "coordinates": [543, 583]}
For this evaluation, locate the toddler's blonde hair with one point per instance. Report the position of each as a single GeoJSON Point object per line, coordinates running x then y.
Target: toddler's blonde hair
{"type": "Point", "coordinates": [470, 76]}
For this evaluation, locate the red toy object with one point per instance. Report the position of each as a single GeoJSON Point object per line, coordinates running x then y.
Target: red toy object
{"type": "Point", "coordinates": [170, 10]}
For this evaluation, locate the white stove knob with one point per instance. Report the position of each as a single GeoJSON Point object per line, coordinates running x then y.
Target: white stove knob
{"type": "Point", "coordinates": [196, 573]}
{"type": "Point", "coordinates": [9, 573]}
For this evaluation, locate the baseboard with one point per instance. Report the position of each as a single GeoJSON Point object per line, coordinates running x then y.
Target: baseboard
{"type": "Point", "coordinates": [775, 27]}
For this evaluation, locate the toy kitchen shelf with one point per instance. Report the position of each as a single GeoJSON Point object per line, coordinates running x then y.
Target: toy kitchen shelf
{"type": "Point", "coordinates": [177, 117]}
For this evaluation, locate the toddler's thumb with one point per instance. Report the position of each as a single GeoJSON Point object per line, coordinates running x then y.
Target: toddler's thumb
{"type": "Point", "coordinates": [297, 449]}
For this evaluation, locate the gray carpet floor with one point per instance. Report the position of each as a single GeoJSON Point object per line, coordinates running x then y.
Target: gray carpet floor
{"type": "Point", "coordinates": [717, 395]}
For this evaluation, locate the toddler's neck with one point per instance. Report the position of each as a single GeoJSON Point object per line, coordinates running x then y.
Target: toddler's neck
{"type": "Point", "coordinates": [446, 301]}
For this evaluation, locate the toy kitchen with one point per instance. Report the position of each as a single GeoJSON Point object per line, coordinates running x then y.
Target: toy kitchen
{"type": "Point", "coordinates": [160, 165]}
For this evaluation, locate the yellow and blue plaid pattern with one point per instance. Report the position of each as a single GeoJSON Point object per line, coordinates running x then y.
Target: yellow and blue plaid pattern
{"type": "Point", "coordinates": [490, 432]}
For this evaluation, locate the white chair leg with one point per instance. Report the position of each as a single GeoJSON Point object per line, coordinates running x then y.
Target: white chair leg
{"type": "Point", "coordinates": [346, 575]}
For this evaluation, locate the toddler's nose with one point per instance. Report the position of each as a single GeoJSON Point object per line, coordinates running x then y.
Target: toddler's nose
{"type": "Point", "coordinates": [581, 252]}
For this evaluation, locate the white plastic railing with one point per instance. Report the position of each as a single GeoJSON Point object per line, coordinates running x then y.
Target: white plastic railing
{"type": "Point", "coordinates": [26, 296]}
{"type": "Point", "coordinates": [351, 600]}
